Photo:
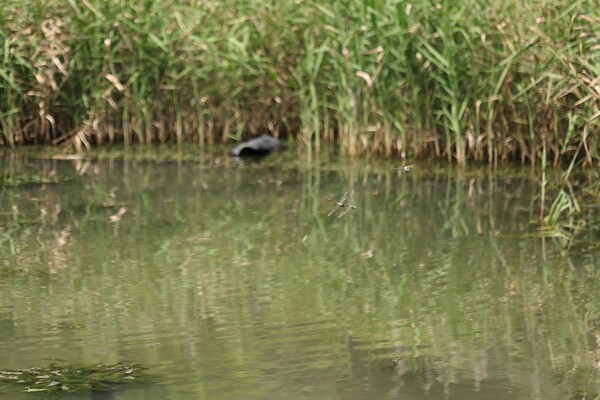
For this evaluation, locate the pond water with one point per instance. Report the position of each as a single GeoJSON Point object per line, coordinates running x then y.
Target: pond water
{"type": "Point", "coordinates": [229, 280]}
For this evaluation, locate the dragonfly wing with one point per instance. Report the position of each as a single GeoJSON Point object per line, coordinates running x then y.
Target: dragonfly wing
{"type": "Point", "coordinates": [346, 211]}
{"type": "Point", "coordinates": [334, 209]}
{"type": "Point", "coordinates": [352, 198]}
{"type": "Point", "coordinates": [344, 198]}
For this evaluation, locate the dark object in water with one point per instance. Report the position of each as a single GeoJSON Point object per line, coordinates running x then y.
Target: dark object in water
{"type": "Point", "coordinates": [259, 146]}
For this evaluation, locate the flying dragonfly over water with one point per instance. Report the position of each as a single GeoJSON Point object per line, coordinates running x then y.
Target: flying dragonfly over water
{"type": "Point", "coordinates": [345, 202]}
{"type": "Point", "coordinates": [406, 168]}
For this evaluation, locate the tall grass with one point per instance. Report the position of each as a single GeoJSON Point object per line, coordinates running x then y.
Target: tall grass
{"type": "Point", "coordinates": [462, 80]}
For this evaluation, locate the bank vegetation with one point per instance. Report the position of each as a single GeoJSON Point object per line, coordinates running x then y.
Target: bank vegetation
{"type": "Point", "coordinates": [463, 80]}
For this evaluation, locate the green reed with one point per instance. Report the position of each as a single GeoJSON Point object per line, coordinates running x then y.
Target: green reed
{"type": "Point", "coordinates": [478, 80]}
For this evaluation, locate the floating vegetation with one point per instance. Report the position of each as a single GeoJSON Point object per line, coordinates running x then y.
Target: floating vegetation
{"type": "Point", "coordinates": [73, 378]}
{"type": "Point", "coordinates": [21, 179]}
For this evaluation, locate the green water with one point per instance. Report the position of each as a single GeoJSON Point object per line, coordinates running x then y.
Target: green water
{"type": "Point", "coordinates": [229, 281]}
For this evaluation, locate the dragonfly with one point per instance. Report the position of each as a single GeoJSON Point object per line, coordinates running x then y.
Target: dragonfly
{"type": "Point", "coordinates": [344, 202]}
{"type": "Point", "coordinates": [406, 168]}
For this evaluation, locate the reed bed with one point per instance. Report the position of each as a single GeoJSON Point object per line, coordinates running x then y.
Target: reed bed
{"type": "Point", "coordinates": [470, 80]}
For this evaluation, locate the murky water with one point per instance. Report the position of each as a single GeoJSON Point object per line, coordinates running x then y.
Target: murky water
{"type": "Point", "coordinates": [230, 281]}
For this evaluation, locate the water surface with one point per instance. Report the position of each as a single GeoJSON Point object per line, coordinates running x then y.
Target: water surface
{"type": "Point", "coordinates": [228, 280]}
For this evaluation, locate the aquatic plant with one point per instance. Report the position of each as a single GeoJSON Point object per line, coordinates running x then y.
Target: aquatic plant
{"type": "Point", "coordinates": [572, 218]}
{"type": "Point", "coordinates": [461, 80]}
{"type": "Point", "coordinates": [72, 378]}
{"type": "Point", "coordinates": [19, 179]}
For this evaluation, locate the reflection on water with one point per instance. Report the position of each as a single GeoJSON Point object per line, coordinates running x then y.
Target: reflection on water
{"type": "Point", "coordinates": [230, 281]}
